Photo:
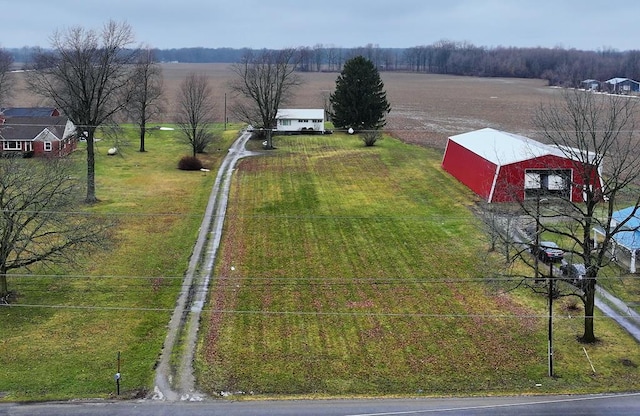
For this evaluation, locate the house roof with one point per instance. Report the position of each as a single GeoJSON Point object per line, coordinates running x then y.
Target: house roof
{"type": "Point", "coordinates": [300, 113]}
{"type": "Point", "coordinates": [502, 148]}
{"type": "Point", "coordinates": [615, 81]}
{"type": "Point", "coordinates": [29, 111]}
{"type": "Point", "coordinates": [629, 239]}
{"type": "Point", "coordinates": [27, 128]}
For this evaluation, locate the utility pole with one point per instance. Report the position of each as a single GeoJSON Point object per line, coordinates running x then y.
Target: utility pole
{"type": "Point", "coordinates": [117, 376]}
{"type": "Point", "coordinates": [537, 242]}
{"type": "Point", "coordinates": [550, 294]}
{"type": "Point", "coordinates": [538, 232]}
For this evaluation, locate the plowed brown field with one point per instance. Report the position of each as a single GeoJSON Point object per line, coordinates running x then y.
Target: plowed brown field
{"type": "Point", "coordinates": [425, 108]}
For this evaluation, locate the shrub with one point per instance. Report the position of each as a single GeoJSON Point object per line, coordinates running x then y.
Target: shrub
{"type": "Point", "coordinates": [190, 163]}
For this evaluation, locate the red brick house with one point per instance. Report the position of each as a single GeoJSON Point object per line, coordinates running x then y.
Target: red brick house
{"type": "Point", "coordinates": [37, 136]}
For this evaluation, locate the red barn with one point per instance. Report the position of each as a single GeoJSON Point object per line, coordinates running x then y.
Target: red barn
{"type": "Point", "coordinates": [504, 167]}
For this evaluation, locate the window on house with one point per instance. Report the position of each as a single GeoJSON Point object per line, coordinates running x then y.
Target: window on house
{"type": "Point", "coordinates": [47, 146]}
{"type": "Point", "coordinates": [303, 121]}
{"type": "Point", "coordinates": [285, 122]}
{"type": "Point", "coordinates": [11, 145]}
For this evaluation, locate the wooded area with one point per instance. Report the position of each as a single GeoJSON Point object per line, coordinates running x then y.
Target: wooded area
{"type": "Point", "coordinates": [567, 67]}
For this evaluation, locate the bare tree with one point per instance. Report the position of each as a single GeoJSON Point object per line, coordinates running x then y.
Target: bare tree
{"type": "Point", "coordinates": [264, 82]}
{"type": "Point", "coordinates": [88, 75]}
{"type": "Point", "coordinates": [318, 56]}
{"type": "Point", "coordinates": [196, 111]}
{"type": "Point", "coordinates": [145, 103]}
{"type": "Point", "coordinates": [38, 222]}
{"type": "Point", "coordinates": [597, 133]}
{"type": "Point", "coordinates": [6, 60]}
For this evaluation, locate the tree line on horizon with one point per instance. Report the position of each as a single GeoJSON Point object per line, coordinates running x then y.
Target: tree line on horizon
{"type": "Point", "coordinates": [562, 67]}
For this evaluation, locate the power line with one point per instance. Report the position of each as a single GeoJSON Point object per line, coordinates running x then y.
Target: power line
{"type": "Point", "coordinates": [303, 313]}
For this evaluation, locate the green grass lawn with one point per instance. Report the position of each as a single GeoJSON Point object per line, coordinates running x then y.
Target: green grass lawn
{"type": "Point", "coordinates": [348, 270]}
{"type": "Point", "coordinates": [343, 270]}
{"type": "Point", "coordinates": [116, 299]}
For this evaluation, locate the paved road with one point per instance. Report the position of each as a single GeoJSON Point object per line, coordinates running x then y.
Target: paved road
{"type": "Point", "coordinates": [610, 405]}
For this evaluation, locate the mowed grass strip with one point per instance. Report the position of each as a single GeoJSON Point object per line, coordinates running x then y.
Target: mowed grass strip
{"type": "Point", "coordinates": [347, 270]}
{"type": "Point", "coordinates": [116, 299]}
{"type": "Point", "coordinates": [350, 270]}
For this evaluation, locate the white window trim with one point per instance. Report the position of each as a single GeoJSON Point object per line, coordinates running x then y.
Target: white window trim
{"type": "Point", "coordinates": [6, 145]}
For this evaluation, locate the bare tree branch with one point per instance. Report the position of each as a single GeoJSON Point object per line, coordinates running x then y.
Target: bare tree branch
{"type": "Point", "coordinates": [597, 132]}
{"type": "Point", "coordinates": [145, 104]}
{"type": "Point", "coordinates": [264, 82]}
{"type": "Point", "coordinates": [39, 221]}
{"type": "Point", "coordinates": [196, 111]}
{"type": "Point", "coordinates": [6, 60]}
{"type": "Point", "coordinates": [89, 76]}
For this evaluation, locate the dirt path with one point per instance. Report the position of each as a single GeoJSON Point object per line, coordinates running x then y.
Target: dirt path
{"type": "Point", "coordinates": [185, 321]}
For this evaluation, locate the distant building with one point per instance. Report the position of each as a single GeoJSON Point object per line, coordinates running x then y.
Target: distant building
{"type": "Point", "coordinates": [591, 85]}
{"type": "Point", "coordinates": [505, 167]}
{"type": "Point", "coordinates": [622, 85]}
{"type": "Point", "coordinates": [300, 120]}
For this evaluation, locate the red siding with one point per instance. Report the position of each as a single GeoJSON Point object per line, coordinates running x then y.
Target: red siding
{"type": "Point", "coordinates": [510, 183]}
{"type": "Point", "coordinates": [478, 174]}
{"type": "Point", "coordinates": [472, 170]}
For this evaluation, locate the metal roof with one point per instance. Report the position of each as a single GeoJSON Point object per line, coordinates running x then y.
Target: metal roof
{"type": "Point", "coordinates": [503, 148]}
{"type": "Point", "coordinates": [615, 81]}
{"type": "Point", "coordinates": [628, 239]}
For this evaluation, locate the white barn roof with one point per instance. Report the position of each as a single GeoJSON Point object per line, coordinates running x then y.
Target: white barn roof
{"type": "Point", "coordinates": [614, 81]}
{"type": "Point", "coordinates": [300, 113]}
{"type": "Point", "coordinates": [502, 148]}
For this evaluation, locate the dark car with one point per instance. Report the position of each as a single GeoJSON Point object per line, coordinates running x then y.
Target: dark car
{"type": "Point", "coordinates": [574, 273]}
{"type": "Point", "coordinates": [548, 251]}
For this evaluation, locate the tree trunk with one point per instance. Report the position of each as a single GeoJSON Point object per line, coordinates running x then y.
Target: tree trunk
{"type": "Point", "coordinates": [91, 169]}
{"type": "Point", "coordinates": [589, 306]}
{"type": "Point", "coordinates": [4, 287]}
{"type": "Point", "coordinates": [142, 134]}
{"type": "Point", "coordinates": [269, 138]}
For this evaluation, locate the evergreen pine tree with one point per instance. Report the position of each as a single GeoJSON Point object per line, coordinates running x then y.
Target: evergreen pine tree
{"type": "Point", "coordinates": [359, 101]}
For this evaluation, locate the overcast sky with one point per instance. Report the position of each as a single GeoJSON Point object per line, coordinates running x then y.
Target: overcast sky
{"type": "Point", "coordinates": [580, 24]}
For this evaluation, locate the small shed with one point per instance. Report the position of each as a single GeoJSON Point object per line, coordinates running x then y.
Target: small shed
{"type": "Point", "coordinates": [591, 84]}
{"type": "Point", "coordinates": [506, 167]}
{"type": "Point", "coordinates": [300, 120]}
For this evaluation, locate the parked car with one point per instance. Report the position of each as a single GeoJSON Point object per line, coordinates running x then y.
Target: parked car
{"type": "Point", "coordinates": [574, 273]}
{"type": "Point", "coordinates": [548, 251]}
